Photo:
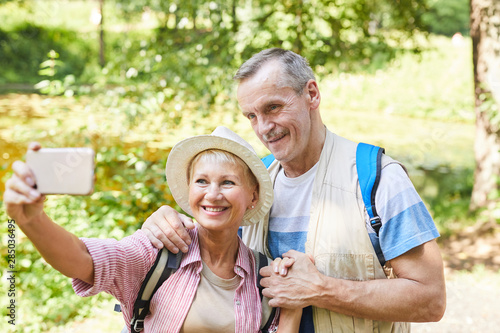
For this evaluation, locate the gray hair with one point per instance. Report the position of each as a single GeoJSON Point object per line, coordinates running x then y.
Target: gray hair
{"type": "Point", "coordinates": [296, 69]}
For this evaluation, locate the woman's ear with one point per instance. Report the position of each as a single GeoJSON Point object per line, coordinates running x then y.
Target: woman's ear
{"type": "Point", "coordinates": [255, 198]}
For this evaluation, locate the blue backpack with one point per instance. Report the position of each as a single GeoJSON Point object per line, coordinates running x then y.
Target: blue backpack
{"type": "Point", "coordinates": [369, 167]}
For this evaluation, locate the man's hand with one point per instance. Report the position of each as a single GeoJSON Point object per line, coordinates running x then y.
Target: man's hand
{"type": "Point", "coordinates": [298, 287]}
{"type": "Point", "coordinates": [281, 266]}
{"type": "Point", "coordinates": [22, 201]}
{"type": "Point", "coordinates": [167, 227]}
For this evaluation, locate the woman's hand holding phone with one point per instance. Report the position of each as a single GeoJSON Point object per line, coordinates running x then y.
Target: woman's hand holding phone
{"type": "Point", "coordinates": [22, 201]}
{"type": "Point", "coordinates": [47, 171]}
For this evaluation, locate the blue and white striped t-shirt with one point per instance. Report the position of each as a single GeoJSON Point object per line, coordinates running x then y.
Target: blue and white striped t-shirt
{"type": "Point", "coordinates": [406, 222]}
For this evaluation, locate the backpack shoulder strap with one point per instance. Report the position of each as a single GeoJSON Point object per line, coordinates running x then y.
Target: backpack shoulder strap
{"type": "Point", "coordinates": [267, 160]}
{"type": "Point", "coordinates": [369, 167]}
{"type": "Point", "coordinates": [165, 265]}
{"type": "Point", "coordinates": [261, 261]}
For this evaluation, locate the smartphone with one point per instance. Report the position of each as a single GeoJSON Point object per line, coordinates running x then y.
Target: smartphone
{"type": "Point", "coordinates": [63, 170]}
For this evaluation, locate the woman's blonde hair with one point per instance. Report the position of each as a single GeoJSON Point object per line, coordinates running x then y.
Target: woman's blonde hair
{"type": "Point", "coordinates": [221, 156]}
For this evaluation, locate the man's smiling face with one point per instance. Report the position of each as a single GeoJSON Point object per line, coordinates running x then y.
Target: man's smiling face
{"type": "Point", "coordinates": [278, 115]}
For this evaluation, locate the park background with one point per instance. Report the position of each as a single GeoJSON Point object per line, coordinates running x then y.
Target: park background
{"type": "Point", "coordinates": [131, 78]}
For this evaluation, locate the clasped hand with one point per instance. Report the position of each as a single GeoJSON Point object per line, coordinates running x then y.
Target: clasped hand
{"type": "Point", "coordinates": [291, 287]}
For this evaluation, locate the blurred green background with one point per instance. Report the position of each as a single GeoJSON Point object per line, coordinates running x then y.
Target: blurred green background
{"type": "Point", "coordinates": [131, 78]}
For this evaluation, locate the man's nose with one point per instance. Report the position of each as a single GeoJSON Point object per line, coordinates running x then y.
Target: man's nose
{"type": "Point", "coordinates": [265, 125]}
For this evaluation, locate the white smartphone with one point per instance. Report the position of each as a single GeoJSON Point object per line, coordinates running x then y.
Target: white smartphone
{"type": "Point", "coordinates": [63, 170]}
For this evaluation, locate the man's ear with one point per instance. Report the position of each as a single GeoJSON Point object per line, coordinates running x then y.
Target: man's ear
{"type": "Point", "coordinates": [312, 90]}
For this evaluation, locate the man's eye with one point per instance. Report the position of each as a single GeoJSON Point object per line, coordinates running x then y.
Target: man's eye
{"type": "Point", "coordinates": [273, 107]}
{"type": "Point", "coordinates": [251, 116]}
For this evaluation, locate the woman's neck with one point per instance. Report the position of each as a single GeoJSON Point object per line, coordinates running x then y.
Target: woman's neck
{"type": "Point", "coordinates": [219, 251]}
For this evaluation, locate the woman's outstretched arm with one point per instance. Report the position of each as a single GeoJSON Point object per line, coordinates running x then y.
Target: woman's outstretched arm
{"type": "Point", "coordinates": [60, 248]}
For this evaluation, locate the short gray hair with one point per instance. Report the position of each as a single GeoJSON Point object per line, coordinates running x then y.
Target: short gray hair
{"type": "Point", "coordinates": [296, 69]}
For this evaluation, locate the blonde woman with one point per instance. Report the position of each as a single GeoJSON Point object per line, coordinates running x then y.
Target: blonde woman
{"type": "Point", "coordinates": [218, 180]}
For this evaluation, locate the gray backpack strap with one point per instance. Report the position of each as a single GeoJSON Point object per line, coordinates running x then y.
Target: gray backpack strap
{"type": "Point", "coordinates": [268, 312]}
{"type": "Point", "coordinates": [166, 264]}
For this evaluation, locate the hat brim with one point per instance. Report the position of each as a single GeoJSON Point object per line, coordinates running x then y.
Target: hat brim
{"type": "Point", "coordinates": [183, 152]}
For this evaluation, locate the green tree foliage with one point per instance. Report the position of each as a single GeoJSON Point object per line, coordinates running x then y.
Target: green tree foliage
{"type": "Point", "coordinates": [199, 44]}
{"type": "Point", "coordinates": [193, 54]}
{"type": "Point", "coordinates": [25, 46]}
{"type": "Point", "coordinates": [333, 32]}
{"type": "Point", "coordinates": [448, 17]}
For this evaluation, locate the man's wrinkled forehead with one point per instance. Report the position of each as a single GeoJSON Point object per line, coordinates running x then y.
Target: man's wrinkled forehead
{"type": "Point", "coordinates": [262, 86]}
{"type": "Point", "coordinates": [270, 72]}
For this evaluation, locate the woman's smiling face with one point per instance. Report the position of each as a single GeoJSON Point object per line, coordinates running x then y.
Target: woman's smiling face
{"type": "Point", "coordinates": [220, 192]}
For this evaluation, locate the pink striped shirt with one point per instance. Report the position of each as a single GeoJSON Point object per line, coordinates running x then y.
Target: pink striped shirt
{"type": "Point", "coordinates": [121, 266]}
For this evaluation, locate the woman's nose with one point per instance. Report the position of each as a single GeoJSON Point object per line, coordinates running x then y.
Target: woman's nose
{"type": "Point", "coordinates": [213, 193]}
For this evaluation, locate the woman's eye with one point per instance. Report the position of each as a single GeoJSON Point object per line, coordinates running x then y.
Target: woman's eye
{"type": "Point", "coordinates": [201, 181]}
{"type": "Point", "coordinates": [228, 182]}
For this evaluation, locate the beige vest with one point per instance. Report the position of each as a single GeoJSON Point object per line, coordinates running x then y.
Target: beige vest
{"type": "Point", "coordinates": [337, 237]}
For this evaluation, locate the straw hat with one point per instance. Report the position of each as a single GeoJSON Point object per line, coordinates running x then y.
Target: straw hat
{"type": "Point", "coordinates": [221, 138]}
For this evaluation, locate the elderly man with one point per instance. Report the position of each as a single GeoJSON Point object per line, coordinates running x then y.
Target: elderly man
{"type": "Point", "coordinates": [344, 275]}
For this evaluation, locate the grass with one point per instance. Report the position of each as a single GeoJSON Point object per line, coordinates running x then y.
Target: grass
{"type": "Point", "coordinates": [435, 84]}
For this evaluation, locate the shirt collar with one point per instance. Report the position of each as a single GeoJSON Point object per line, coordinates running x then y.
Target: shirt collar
{"type": "Point", "coordinates": [193, 255]}
{"type": "Point", "coordinates": [243, 260]}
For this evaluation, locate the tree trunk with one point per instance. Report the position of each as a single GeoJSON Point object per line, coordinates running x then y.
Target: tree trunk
{"type": "Point", "coordinates": [233, 13]}
{"type": "Point", "coordinates": [485, 33]}
{"type": "Point", "coordinates": [102, 59]}
{"type": "Point", "coordinates": [297, 45]}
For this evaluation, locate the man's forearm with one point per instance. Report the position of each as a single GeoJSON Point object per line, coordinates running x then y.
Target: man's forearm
{"type": "Point", "coordinates": [396, 300]}
{"type": "Point", "coordinates": [417, 295]}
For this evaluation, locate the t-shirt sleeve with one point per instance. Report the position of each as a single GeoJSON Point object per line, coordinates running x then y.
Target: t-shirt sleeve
{"type": "Point", "coordinates": [119, 266]}
{"type": "Point", "coordinates": [406, 222]}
